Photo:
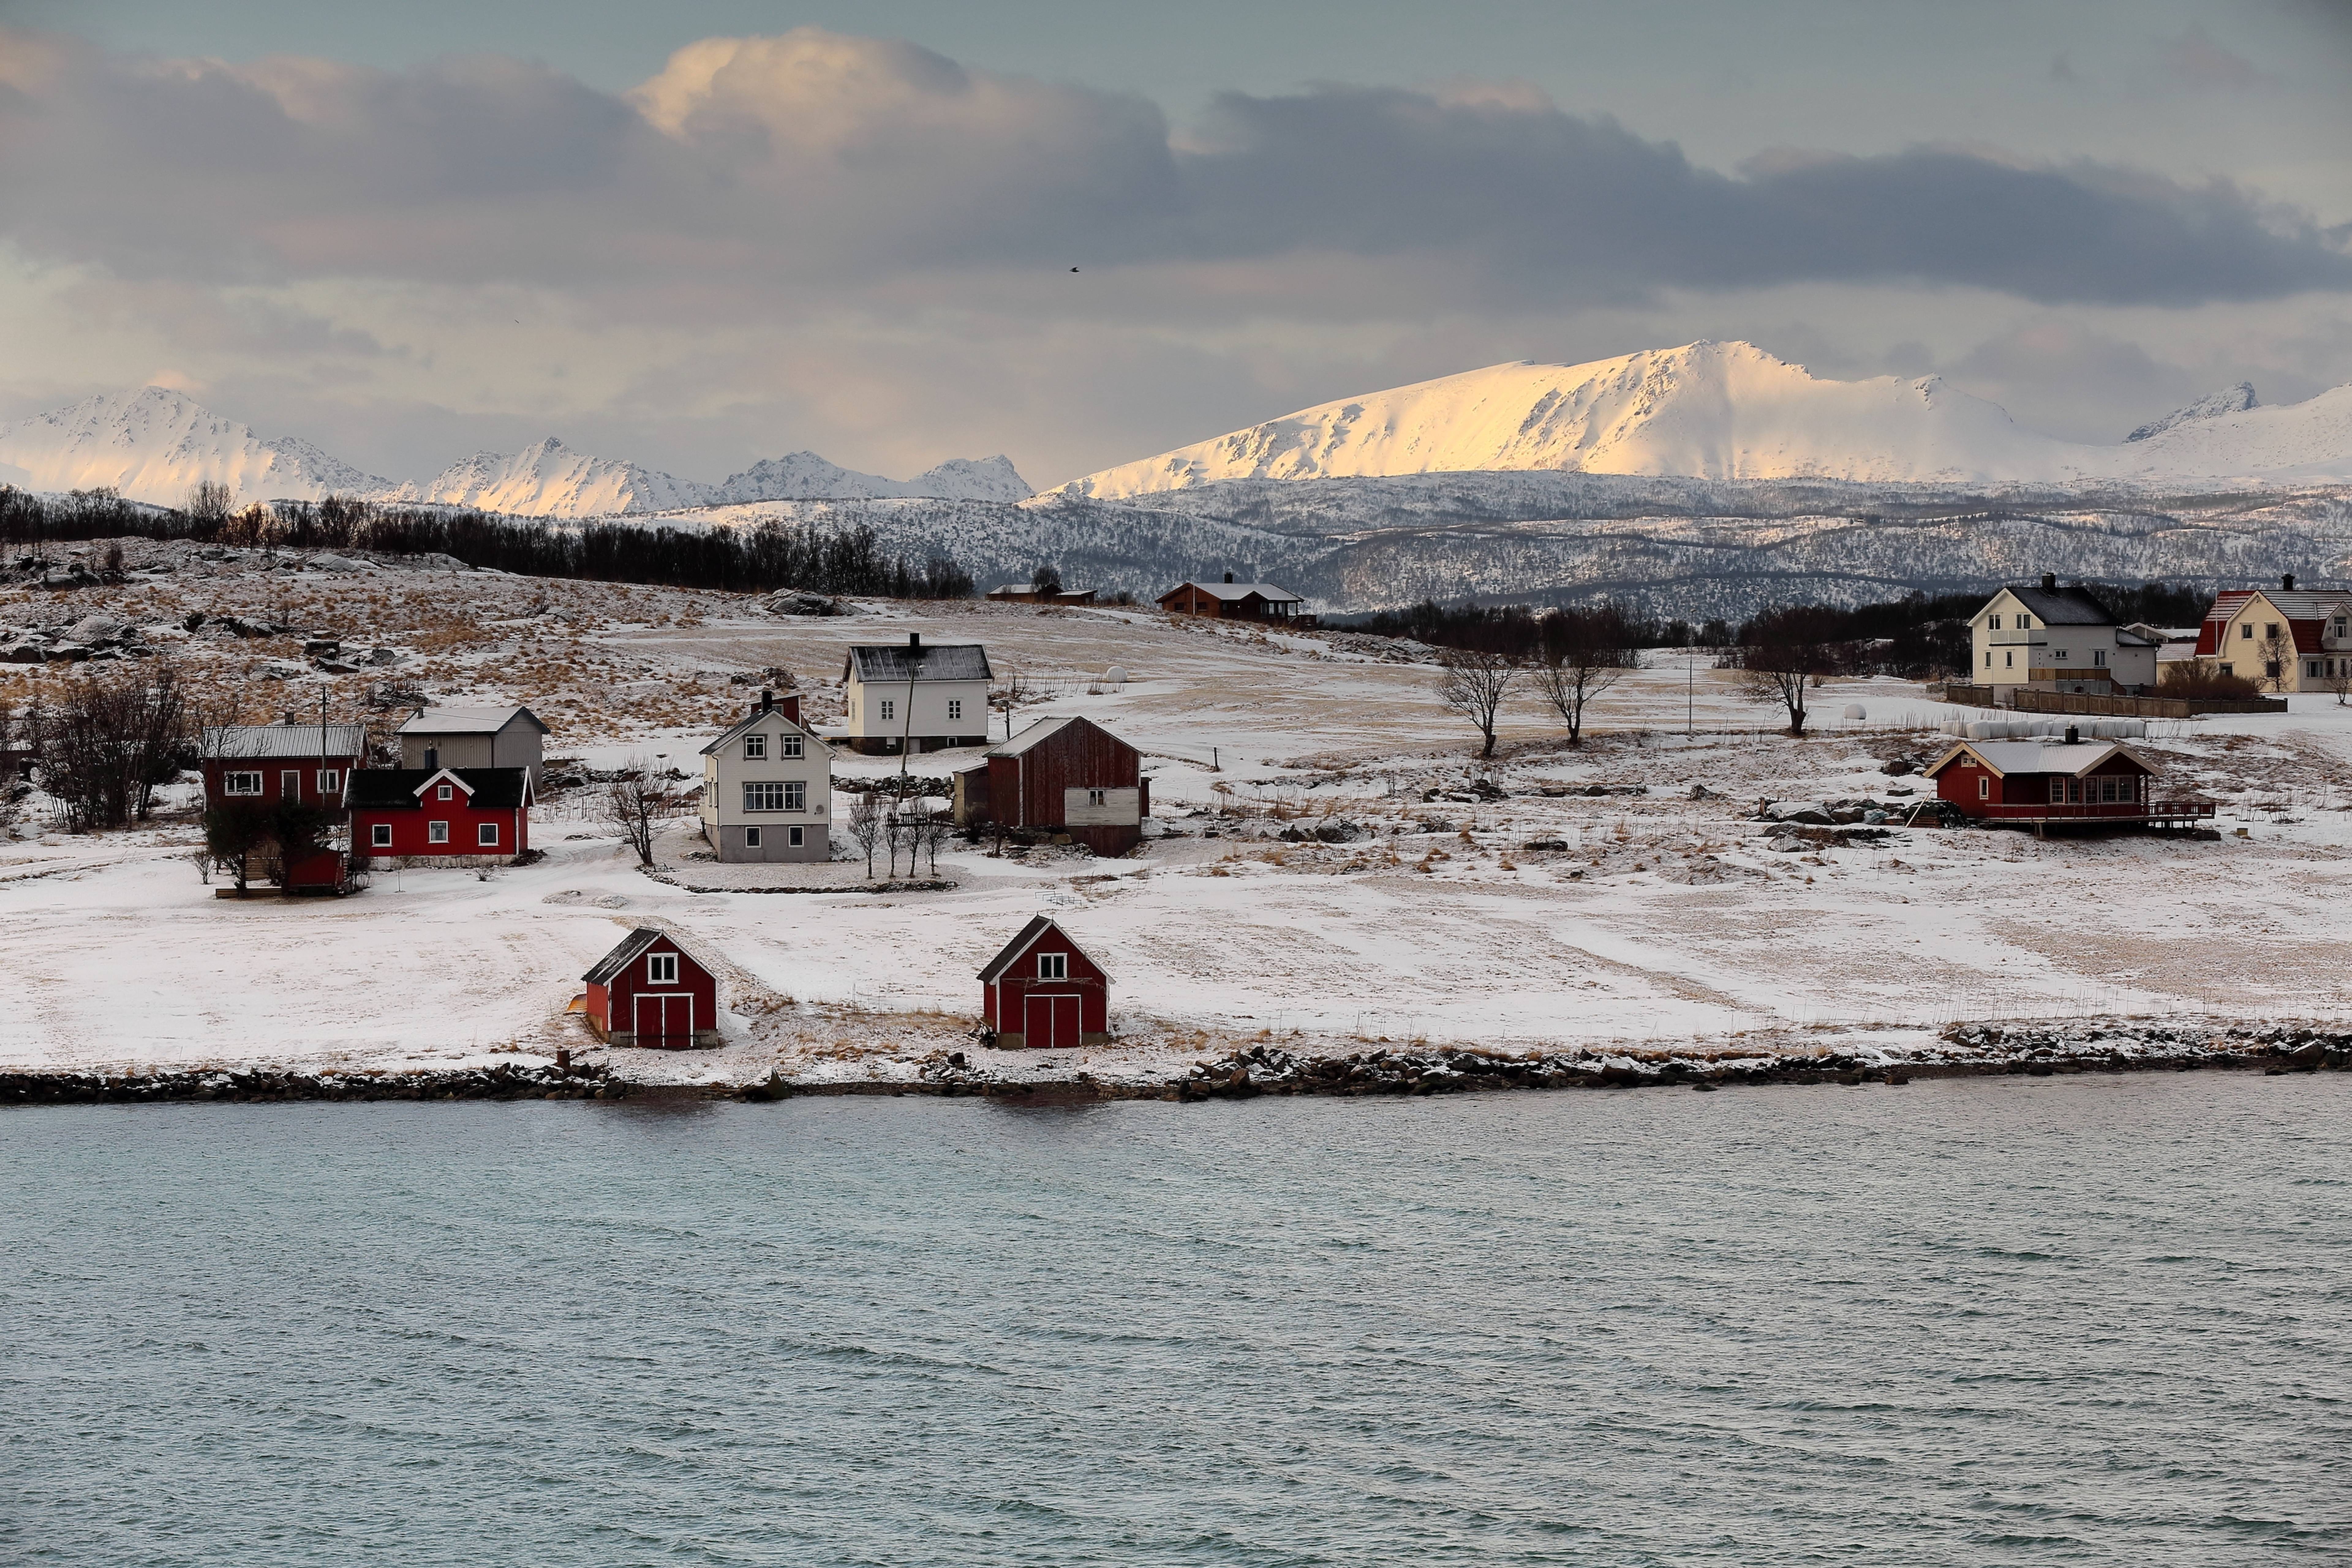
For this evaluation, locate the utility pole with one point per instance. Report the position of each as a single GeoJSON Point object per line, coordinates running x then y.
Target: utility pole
{"type": "Point", "coordinates": [1690, 707]}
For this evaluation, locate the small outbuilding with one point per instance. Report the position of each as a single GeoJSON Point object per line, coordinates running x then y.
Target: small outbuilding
{"type": "Point", "coordinates": [1061, 775]}
{"type": "Point", "coordinates": [1043, 993]}
{"type": "Point", "coordinates": [651, 992]}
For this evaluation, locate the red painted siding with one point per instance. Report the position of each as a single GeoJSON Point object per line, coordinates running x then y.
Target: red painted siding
{"type": "Point", "coordinates": [615, 1005]}
{"type": "Point", "coordinates": [1026, 791]}
{"type": "Point", "coordinates": [273, 771]}
{"type": "Point", "coordinates": [412, 834]}
{"type": "Point", "coordinates": [1006, 997]}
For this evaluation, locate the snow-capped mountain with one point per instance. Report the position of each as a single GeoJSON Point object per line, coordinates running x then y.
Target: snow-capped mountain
{"type": "Point", "coordinates": [2229, 400]}
{"type": "Point", "coordinates": [155, 444]}
{"type": "Point", "coordinates": [1720, 411]}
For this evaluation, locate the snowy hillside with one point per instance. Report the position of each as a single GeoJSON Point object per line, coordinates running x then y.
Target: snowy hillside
{"type": "Point", "coordinates": [2229, 400]}
{"type": "Point", "coordinates": [155, 444]}
{"type": "Point", "coordinates": [1722, 411]}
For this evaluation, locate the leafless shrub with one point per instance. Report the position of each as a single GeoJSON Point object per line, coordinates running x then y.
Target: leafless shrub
{"type": "Point", "coordinates": [103, 745]}
{"type": "Point", "coordinates": [1474, 683]}
{"type": "Point", "coordinates": [635, 804]}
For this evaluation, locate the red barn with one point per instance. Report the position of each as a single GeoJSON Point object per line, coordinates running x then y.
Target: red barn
{"type": "Point", "coordinates": [471, 813]}
{"type": "Point", "coordinates": [1063, 776]}
{"type": "Point", "coordinates": [2038, 783]}
{"type": "Point", "coordinates": [653, 993]}
{"type": "Point", "coordinates": [1044, 993]}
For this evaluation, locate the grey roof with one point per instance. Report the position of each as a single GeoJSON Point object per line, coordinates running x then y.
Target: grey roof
{"type": "Point", "coordinates": [467, 720]}
{"type": "Point", "coordinates": [1267, 590]}
{"type": "Point", "coordinates": [2008, 756]}
{"type": "Point", "coordinates": [748, 720]}
{"type": "Point", "coordinates": [1045, 729]}
{"type": "Point", "coordinates": [246, 742]}
{"type": "Point", "coordinates": [2059, 606]}
{"type": "Point", "coordinates": [1037, 927]}
{"type": "Point", "coordinates": [891, 661]}
{"type": "Point", "coordinates": [614, 962]}
{"type": "Point", "coordinates": [2295, 604]}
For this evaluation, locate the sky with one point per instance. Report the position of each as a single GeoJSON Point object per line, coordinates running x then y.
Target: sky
{"type": "Point", "coordinates": [699, 233]}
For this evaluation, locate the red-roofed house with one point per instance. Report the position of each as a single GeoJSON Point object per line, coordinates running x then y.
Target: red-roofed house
{"type": "Point", "coordinates": [2286, 639]}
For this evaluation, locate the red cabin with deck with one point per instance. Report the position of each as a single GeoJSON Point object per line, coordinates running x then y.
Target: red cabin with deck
{"type": "Point", "coordinates": [2043, 783]}
{"type": "Point", "coordinates": [1043, 993]}
{"type": "Point", "coordinates": [651, 992]}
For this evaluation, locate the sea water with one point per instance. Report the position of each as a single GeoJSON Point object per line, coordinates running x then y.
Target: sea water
{"type": "Point", "coordinates": [2085, 1321]}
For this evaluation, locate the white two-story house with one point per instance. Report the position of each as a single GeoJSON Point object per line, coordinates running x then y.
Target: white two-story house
{"type": "Point", "coordinates": [767, 788]}
{"type": "Point", "coordinates": [918, 697]}
{"type": "Point", "coordinates": [2056, 639]}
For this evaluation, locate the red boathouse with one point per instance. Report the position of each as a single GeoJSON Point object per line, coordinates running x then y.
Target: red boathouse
{"type": "Point", "coordinates": [651, 992]}
{"type": "Point", "coordinates": [1043, 993]}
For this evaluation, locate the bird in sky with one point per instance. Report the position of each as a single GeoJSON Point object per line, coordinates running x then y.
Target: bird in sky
{"type": "Point", "coordinates": [1073, 269]}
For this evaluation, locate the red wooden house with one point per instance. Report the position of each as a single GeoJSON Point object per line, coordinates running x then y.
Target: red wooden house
{"type": "Point", "coordinates": [651, 992]}
{"type": "Point", "coordinates": [468, 813]}
{"type": "Point", "coordinates": [311, 763]}
{"type": "Point", "coordinates": [1044, 993]}
{"type": "Point", "coordinates": [2039, 783]}
{"type": "Point", "coordinates": [1061, 775]}
{"type": "Point", "coordinates": [1231, 600]}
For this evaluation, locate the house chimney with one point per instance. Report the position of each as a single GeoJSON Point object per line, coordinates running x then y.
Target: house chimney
{"type": "Point", "coordinates": [2287, 583]}
{"type": "Point", "coordinates": [1229, 577]}
{"type": "Point", "coordinates": [432, 760]}
{"type": "Point", "coordinates": [914, 642]}
{"type": "Point", "coordinates": [290, 717]}
{"type": "Point", "coordinates": [2073, 734]}
{"type": "Point", "coordinates": [767, 699]}
{"type": "Point", "coordinates": [2049, 582]}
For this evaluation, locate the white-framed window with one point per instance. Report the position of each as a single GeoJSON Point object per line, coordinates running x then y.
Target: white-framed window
{"type": "Point", "coordinates": [2271, 630]}
{"type": "Point", "coordinates": [436, 833]}
{"type": "Point", "coordinates": [661, 968]}
{"type": "Point", "coordinates": [2025, 622]}
{"type": "Point", "coordinates": [2099, 657]}
{"type": "Point", "coordinates": [888, 709]}
{"type": "Point", "coordinates": [2057, 791]}
{"type": "Point", "coordinates": [380, 835]}
{"type": "Point", "coordinates": [2228, 669]}
{"type": "Point", "coordinates": [331, 780]}
{"type": "Point", "coordinates": [1095, 797]}
{"type": "Point", "coordinates": [755, 748]}
{"type": "Point", "coordinates": [1984, 788]}
{"type": "Point", "coordinates": [2245, 631]}
{"type": "Point", "coordinates": [289, 783]}
{"type": "Point", "coordinates": [1053, 965]}
{"type": "Point", "coordinates": [1988, 658]}
{"type": "Point", "coordinates": [766, 796]}
{"type": "Point", "coordinates": [955, 707]}
{"type": "Point", "coordinates": [2007, 660]}
{"type": "Point", "coordinates": [487, 834]}
{"type": "Point", "coordinates": [2313, 666]}
{"type": "Point", "coordinates": [796, 796]}
{"type": "Point", "coordinates": [1994, 624]}
{"type": "Point", "coordinates": [751, 838]}
{"type": "Point", "coordinates": [798, 837]}
{"type": "Point", "coordinates": [792, 746]}
{"type": "Point", "coordinates": [241, 783]}
{"type": "Point", "coordinates": [2058, 654]}
{"type": "Point", "coordinates": [443, 793]}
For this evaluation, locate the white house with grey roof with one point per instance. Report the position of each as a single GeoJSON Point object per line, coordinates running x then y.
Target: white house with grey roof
{"type": "Point", "coordinates": [767, 788]}
{"type": "Point", "coordinates": [2055, 639]}
{"type": "Point", "coordinates": [915, 696]}
{"type": "Point", "coordinates": [473, 737]}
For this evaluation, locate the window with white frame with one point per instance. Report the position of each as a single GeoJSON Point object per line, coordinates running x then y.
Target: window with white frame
{"type": "Point", "coordinates": [436, 833]}
{"type": "Point", "coordinates": [955, 707]}
{"type": "Point", "coordinates": [487, 834]}
{"type": "Point", "coordinates": [2007, 660]}
{"type": "Point", "coordinates": [751, 838]}
{"type": "Point", "coordinates": [1095, 797]}
{"type": "Point", "coordinates": [331, 780]}
{"type": "Point", "coordinates": [241, 783]}
{"type": "Point", "coordinates": [755, 748]}
{"type": "Point", "coordinates": [792, 746]}
{"type": "Point", "coordinates": [1994, 624]}
{"type": "Point", "coordinates": [765, 796]}
{"type": "Point", "coordinates": [797, 840]}
{"type": "Point", "coordinates": [2025, 622]}
{"type": "Point", "coordinates": [888, 709]}
{"type": "Point", "coordinates": [443, 793]}
{"type": "Point", "coordinates": [796, 796]}
{"type": "Point", "coordinates": [380, 835]}
{"type": "Point", "coordinates": [661, 968]}
{"type": "Point", "coordinates": [2058, 654]}
{"type": "Point", "coordinates": [2099, 656]}
{"type": "Point", "coordinates": [1984, 788]}
{"type": "Point", "coordinates": [1053, 965]}
{"type": "Point", "coordinates": [2245, 631]}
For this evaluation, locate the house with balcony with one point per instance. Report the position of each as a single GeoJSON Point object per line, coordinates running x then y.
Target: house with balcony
{"type": "Point", "coordinates": [2056, 639]}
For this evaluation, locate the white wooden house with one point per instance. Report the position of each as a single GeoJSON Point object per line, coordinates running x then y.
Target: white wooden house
{"type": "Point", "coordinates": [2055, 639]}
{"type": "Point", "coordinates": [767, 788]}
{"type": "Point", "coordinates": [914, 696]}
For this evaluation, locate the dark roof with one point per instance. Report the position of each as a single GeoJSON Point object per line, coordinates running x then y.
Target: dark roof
{"type": "Point", "coordinates": [492, 789]}
{"type": "Point", "coordinates": [614, 962]}
{"type": "Point", "coordinates": [931, 661]}
{"type": "Point", "coordinates": [2060, 606]}
{"type": "Point", "coordinates": [1238, 590]}
{"type": "Point", "coordinates": [1028, 938]}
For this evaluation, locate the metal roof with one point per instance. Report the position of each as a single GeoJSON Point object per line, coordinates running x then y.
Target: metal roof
{"type": "Point", "coordinates": [1036, 928]}
{"type": "Point", "coordinates": [467, 720]}
{"type": "Point", "coordinates": [899, 662]}
{"type": "Point", "coordinates": [614, 962]}
{"type": "Point", "coordinates": [1044, 730]}
{"type": "Point", "coordinates": [2008, 756]}
{"type": "Point", "coordinates": [1266, 591]}
{"type": "Point", "coordinates": [256, 742]}
{"type": "Point", "coordinates": [2059, 606]}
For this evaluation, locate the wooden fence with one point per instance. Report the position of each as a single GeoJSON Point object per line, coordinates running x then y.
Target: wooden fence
{"type": "Point", "coordinates": [2024, 699]}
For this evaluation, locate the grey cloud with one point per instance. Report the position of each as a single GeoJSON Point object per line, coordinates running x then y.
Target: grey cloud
{"type": "Point", "coordinates": [753, 168]}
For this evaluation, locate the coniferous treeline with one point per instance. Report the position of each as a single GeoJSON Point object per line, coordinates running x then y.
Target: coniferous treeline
{"type": "Point", "coordinates": [771, 555]}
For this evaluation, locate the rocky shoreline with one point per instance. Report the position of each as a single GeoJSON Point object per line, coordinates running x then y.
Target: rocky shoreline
{"type": "Point", "coordinates": [1971, 1052]}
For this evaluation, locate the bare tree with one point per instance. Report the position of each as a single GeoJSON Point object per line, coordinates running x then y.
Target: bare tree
{"type": "Point", "coordinates": [1045, 582]}
{"type": "Point", "coordinates": [2278, 654]}
{"type": "Point", "coordinates": [210, 502]}
{"type": "Point", "coordinates": [1780, 652]}
{"type": "Point", "coordinates": [2338, 679]}
{"type": "Point", "coordinates": [1586, 652]}
{"type": "Point", "coordinates": [1013, 690]}
{"type": "Point", "coordinates": [635, 805]}
{"type": "Point", "coordinates": [103, 745]}
{"type": "Point", "coordinates": [933, 829]}
{"type": "Point", "coordinates": [866, 826]}
{"type": "Point", "coordinates": [1473, 683]}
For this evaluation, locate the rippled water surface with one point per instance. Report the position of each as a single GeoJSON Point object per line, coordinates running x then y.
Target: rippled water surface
{"type": "Point", "coordinates": [2102, 1320]}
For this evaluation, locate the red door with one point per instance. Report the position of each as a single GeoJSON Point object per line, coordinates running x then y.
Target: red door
{"type": "Point", "coordinates": [1051, 1023]}
{"type": "Point", "coordinates": [665, 1021]}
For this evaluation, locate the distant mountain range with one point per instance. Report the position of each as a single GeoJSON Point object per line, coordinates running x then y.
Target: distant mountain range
{"type": "Point", "coordinates": [1731, 410]}
{"type": "Point", "coordinates": [154, 444]}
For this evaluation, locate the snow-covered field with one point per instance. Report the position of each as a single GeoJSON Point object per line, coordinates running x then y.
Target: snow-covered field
{"type": "Point", "coordinates": [1663, 919]}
